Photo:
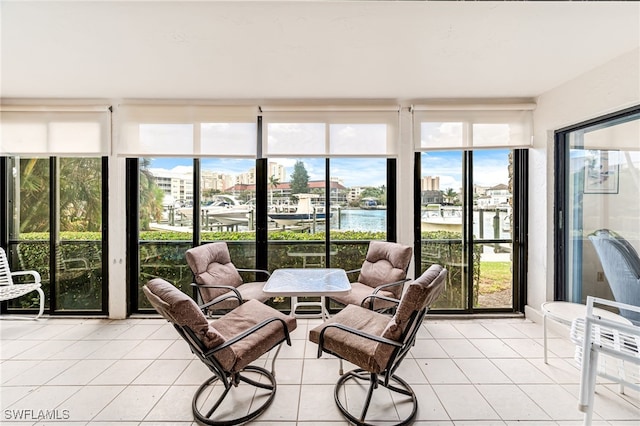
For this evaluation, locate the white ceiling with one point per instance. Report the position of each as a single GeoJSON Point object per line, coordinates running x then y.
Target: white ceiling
{"type": "Point", "coordinates": [306, 50]}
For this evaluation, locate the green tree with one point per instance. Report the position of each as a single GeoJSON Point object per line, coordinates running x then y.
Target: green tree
{"type": "Point", "coordinates": [273, 184]}
{"type": "Point", "coordinates": [150, 197]}
{"type": "Point", "coordinates": [299, 179]}
{"type": "Point", "coordinates": [79, 197]}
{"type": "Point", "coordinates": [451, 196]}
{"type": "Point", "coordinates": [80, 194]}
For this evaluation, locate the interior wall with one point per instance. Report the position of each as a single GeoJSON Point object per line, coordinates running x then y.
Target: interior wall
{"type": "Point", "coordinates": [610, 87]}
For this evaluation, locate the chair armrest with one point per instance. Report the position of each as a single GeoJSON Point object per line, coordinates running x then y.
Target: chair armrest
{"type": "Point", "coordinates": [34, 274]}
{"type": "Point", "coordinates": [233, 293]}
{"type": "Point", "coordinates": [591, 301]}
{"type": "Point", "coordinates": [250, 331]}
{"type": "Point", "coordinates": [393, 284]}
{"type": "Point", "coordinates": [377, 296]}
{"type": "Point", "coordinates": [357, 332]}
{"type": "Point", "coordinates": [80, 262]}
{"type": "Point", "coordinates": [267, 273]}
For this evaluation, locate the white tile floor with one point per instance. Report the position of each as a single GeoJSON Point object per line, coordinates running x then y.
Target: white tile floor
{"type": "Point", "coordinates": [139, 372]}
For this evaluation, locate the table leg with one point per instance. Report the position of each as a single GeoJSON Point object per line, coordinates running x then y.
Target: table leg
{"type": "Point", "coordinates": [544, 333]}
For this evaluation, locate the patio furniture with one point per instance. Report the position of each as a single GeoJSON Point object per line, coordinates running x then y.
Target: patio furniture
{"type": "Point", "coordinates": [218, 281]}
{"type": "Point", "coordinates": [227, 346]}
{"type": "Point", "coordinates": [605, 348]}
{"type": "Point", "coordinates": [621, 265]}
{"type": "Point", "coordinates": [377, 344]}
{"type": "Point", "coordinates": [307, 283]}
{"type": "Point", "coordinates": [566, 312]}
{"type": "Point", "coordinates": [10, 290]}
{"type": "Point", "coordinates": [383, 273]}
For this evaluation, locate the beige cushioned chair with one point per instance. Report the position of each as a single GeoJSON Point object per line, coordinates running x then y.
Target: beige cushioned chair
{"type": "Point", "coordinates": [227, 346]}
{"type": "Point", "coordinates": [218, 281]}
{"type": "Point", "coordinates": [377, 344]}
{"type": "Point", "coordinates": [383, 273]}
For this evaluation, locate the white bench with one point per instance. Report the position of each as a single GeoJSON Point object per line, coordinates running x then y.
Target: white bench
{"type": "Point", "coordinates": [10, 290]}
{"type": "Point", "coordinates": [605, 348]}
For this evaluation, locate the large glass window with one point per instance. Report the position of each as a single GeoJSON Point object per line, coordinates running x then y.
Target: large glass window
{"type": "Point", "coordinates": [598, 188]}
{"type": "Point", "coordinates": [466, 220]}
{"type": "Point", "coordinates": [56, 229]}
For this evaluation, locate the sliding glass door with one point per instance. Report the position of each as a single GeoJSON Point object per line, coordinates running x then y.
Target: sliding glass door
{"type": "Point", "coordinates": [597, 190]}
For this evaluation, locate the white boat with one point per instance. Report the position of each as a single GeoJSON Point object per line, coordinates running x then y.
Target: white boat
{"type": "Point", "coordinates": [305, 212]}
{"type": "Point", "coordinates": [437, 217]}
{"type": "Point", "coordinates": [224, 209]}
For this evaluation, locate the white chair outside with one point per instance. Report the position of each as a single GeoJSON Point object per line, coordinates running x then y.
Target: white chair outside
{"type": "Point", "coordinates": [605, 348]}
{"type": "Point", "coordinates": [10, 290]}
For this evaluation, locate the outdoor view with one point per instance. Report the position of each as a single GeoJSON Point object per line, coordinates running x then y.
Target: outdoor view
{"type": "Point", "coordinates": [297, 213]}
{"type": "Point", "coordinates": [486, 281]}
{"type": "Point", "coordinates": [76, 234]}
{"type": "Point", "coordinates": [298, 219]}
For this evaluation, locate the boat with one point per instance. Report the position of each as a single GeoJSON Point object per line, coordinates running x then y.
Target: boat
{"type": "Point", "coordinates": [224, 209]}
{"type": "Point", "coordinates": [305, 212]}
{"type": "Point", "coordinates": [369, 203]}
{"type": "Point", "coordinates": [437, 217]}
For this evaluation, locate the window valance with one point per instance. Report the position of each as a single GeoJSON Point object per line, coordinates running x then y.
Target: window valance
{"type": "Point", "coordinates": [59, 130]}
{"type": "Point", "coordinates": [186, 130]}
{"type": "Point", "coordinates": [330, 132]}
{"type": "Point", "coordinates": [439, 127]}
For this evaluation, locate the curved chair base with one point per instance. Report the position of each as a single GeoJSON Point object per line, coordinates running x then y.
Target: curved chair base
{"type": "Point", "coordinates": [400, 386]}
{"type": "Point", "coordinates": [207, 419]}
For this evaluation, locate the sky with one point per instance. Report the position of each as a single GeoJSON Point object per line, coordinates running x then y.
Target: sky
{"type": "Point", "coordinates": [490, 167]}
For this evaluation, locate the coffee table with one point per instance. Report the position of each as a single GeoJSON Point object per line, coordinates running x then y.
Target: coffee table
{"type": "Point", "coordinates": [296, 282]}
{"type": "Point", "coordinates": [566, 312]}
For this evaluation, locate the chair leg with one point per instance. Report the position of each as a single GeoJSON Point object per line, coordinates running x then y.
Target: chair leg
{"type": "Point", "coordinates": [400, 386]}
{"type": "Point", "coordinates": [208, 417]}
{"type": "Point", "coordinates": [40, 311]}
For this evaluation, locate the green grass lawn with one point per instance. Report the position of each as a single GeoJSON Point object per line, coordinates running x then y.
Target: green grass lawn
{"type": "Point", "coordinates": [494, 276]}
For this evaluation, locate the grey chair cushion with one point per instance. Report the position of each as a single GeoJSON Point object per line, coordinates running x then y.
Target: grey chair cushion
{"type": "Point", "coordinates": [368, 354]}
{"type": "Point", "coordinates": [211, 265]}
{"type": "Point", "coordinates": [384, 263]}
{"type": "Point", "coordinates": [256, 344]}
{"type": "Point", "coordinates": [180, 309]}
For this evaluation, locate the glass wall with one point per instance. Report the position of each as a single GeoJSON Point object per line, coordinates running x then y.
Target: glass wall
{"type": "Point", "coordinates": [443, 218]}
{"type": "Point", "coordinates": [469, 232]}
{"type": "Point", "coordinates": [165, 223]}
{"type": "Point", "coordinates": [599, 190]}
{"type": "Point", "coordinates": [56, 228]}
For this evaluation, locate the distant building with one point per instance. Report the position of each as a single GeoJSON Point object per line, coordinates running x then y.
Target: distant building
{"type": "Point", "coordinates": [430, 183]}
{"type": "Point", "coordinates": [431, 197]}
{"type": "Point", "coordinates": [494, 196]}
{"type": "Point", "coordinates": [281, 193]}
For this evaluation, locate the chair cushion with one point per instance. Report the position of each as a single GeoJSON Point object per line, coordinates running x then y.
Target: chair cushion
{"type": "Point", "coordinates": [385, 262]}
{"type": "Point", "coordinates": [256, 344]}
{"type": "Point", "coordinates": [211, 265]}
{"type": "Point", "coordinates": [180, 309]}
{"type": "Point", "coordinates": [420, 294]}
{"type": "Point", "coordinates": [359, 291]}
{"type": "Point", "coordinates": [248, 291]}
{"type": "Point", "coordinates": [365, 353]}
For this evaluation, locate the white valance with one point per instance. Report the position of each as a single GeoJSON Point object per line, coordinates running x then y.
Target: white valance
{"type": "Point", "coordinates": [187, 130]}
{"type": "Point", "coordinates": [46, 131]}
{"type": "Point", "coordinates": [439, 127]}
{"type": "Point", "coordinates": [328, 132]}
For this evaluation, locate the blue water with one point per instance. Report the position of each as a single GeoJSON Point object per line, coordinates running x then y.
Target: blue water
{"type": "Point", "coordinates": [360, 220]}
{"type": "Point", "coordinates": [376, 221]}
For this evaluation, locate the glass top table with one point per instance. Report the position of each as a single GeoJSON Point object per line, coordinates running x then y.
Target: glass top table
{"type": "Point", "coordinates": [309, 282]}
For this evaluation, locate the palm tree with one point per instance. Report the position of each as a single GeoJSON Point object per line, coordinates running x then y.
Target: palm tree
{"type": "Point", "coordinates": [450, 195]}
{"type": "Point", "coordinates": [273, 184]}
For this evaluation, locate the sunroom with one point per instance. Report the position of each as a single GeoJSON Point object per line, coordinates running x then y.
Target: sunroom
{"type": "Point", "coordinates": [460, 129]}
